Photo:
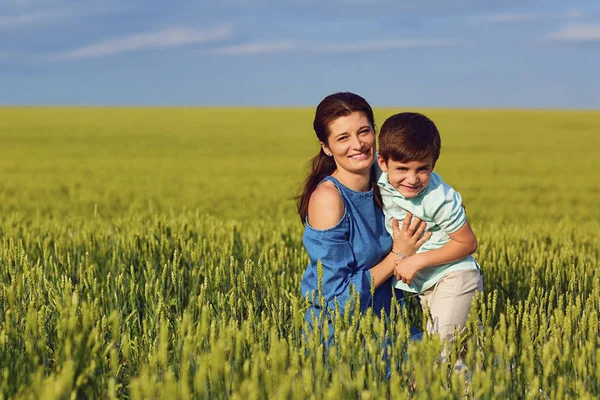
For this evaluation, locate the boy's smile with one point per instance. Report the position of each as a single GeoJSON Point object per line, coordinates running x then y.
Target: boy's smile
{"type": "Point", "coordinates": [409, 178]}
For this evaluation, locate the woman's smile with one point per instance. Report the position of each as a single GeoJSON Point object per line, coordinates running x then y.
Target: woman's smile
{"type": "Point", "coordinates": [361, 156]}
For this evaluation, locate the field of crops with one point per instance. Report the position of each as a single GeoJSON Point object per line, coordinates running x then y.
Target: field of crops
{"type": "Point", "coordinates": [155, 253]}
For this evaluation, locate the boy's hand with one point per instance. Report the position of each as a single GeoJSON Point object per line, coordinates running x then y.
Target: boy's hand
{"type": "Point", "coordinates": [409, 238]}
{"type": "Point", "coordinates": [406, 269]}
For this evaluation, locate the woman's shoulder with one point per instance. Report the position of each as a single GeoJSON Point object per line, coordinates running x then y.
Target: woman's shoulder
{"type": "Point", "coordinates": [325, 207]}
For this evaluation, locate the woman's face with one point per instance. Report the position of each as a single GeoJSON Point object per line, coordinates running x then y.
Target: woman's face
{"type": "Point", "coordinates": [351, 141]}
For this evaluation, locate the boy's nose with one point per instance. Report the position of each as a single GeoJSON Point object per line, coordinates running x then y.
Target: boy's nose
{"type": "Point", "coordinates": [412, 179]}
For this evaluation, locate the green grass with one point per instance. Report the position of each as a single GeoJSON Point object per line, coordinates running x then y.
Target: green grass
{"type": "Point", "coordinates": [155, 252]}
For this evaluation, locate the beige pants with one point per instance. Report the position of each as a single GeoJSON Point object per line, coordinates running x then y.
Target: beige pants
{"type": "Point", "coordinates": [449, 302]}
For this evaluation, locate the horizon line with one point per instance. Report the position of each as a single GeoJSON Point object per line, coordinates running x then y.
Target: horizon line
{"type": "Point", "coordinates": [282, 107]}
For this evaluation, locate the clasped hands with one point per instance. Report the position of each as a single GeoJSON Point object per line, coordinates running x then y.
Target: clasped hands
{"type": "Point", "coordinates": [407, 241]}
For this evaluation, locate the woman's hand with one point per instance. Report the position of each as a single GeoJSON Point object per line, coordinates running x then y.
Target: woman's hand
{"type": "Point", "coordinates": [409, 238]}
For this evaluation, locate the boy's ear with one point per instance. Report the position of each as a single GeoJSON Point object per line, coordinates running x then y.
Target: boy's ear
{"type": "Point", "coordinates": [382, 163]}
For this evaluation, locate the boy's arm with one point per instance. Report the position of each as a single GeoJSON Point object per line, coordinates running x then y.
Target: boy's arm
{"type": "Point", "coordinates": [445, 206]}
{"type": "Point", "coordinates": [462, 244]}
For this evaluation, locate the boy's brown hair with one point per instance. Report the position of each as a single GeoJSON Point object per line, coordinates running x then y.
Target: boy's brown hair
{"type": "Point", "coordinates": [409, 136]}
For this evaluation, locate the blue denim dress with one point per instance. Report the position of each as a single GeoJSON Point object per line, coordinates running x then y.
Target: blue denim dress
{"type": "Point", "coordinates": [347, 252]}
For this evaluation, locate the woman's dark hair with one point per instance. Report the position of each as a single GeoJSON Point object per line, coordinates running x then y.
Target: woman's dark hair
{"type": "Point", "coordinates": [329, 109]}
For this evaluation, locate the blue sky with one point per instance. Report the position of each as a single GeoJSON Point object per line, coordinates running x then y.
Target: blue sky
{"type": "Point", "coordinates": [428, 53]}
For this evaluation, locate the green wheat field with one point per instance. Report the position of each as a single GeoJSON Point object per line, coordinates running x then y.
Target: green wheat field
{"type": "Point", "coordinates": [156, 253]}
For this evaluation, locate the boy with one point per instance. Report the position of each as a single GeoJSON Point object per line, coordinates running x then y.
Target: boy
{"type": "Point", "coordinates": [443, 272]}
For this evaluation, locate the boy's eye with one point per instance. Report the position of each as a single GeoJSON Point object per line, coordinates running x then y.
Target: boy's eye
{"type": "Point", "coordinates": [401, 169]}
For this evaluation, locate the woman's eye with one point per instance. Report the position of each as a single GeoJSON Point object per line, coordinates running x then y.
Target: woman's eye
{"type": "Point", "coordinates": [342, 138]}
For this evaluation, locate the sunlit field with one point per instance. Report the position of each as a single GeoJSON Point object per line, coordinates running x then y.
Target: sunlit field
{"type": "Point", "coordinates": [156, 253]}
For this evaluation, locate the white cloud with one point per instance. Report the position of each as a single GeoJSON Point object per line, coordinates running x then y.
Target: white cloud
{"type": "Point", "coordinates": [360, 2]}
{"type": "Point", "coordinates": [37, 15]}
{"type": "Point", "coordinates": [512, 18]}
{"type": "Point", "coordinates": [339, 48]}
{"type": "Point", "coordinates": [577, 33]}
{"type": "Point", "coordinates": [14, 21]}
{"type": "Point", "coordinates": [171, 37]}
{"type": "Point", "coordinates": [28, 2]}
{"type": "Point", "coordinates": [257, 48]}
{"type": "Point", "coordinates": [37, 5]}
{"type": "Point", "coordinates": [574, 14]}
{"type": "Point", "coordinates": [505, 18]}
{"type": "Point", "coordinates": [381, 45]}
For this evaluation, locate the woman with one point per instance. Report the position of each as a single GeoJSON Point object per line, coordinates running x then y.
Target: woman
{"type": "Point", "coordinates": [340, 207]}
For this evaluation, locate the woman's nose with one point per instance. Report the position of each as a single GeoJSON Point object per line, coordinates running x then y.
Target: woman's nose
{"type": "Point", "coordinates": [357, 143]}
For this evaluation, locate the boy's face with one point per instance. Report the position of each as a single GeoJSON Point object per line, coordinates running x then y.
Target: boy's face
{"type": "Point", "coordinates": [409, 178]}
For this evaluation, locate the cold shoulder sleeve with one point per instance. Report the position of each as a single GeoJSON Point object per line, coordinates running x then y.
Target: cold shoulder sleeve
{"type": "Point", "coordinates": [341, 271]}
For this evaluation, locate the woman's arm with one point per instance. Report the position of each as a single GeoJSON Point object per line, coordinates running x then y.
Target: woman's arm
{"type": "Point", "coordinates": [326, 208]}
{"type": "Point", "coordinates": [330, 246]}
